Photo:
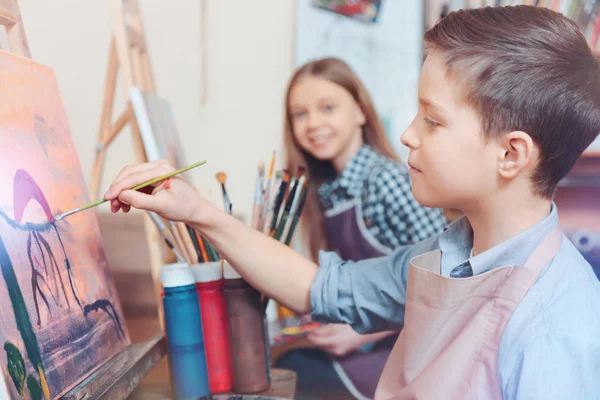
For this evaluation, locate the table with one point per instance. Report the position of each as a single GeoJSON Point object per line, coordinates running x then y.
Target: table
{"type": "Point", "coordinates": [283, 386]}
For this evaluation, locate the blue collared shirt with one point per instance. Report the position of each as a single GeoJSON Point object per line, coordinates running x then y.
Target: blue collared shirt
{"type": "Point", "coordinates": [550, 348]}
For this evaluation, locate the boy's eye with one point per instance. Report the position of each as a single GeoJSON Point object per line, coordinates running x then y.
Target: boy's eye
{"type": "Point", "coordinates": [431, 123]}
{"type": "Point", "coordinates": [327, 108]}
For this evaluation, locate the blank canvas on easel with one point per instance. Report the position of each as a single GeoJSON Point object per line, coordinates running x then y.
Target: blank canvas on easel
{"type": "Point", "coordinates": [157, 127]}
{"type": "Point", "coordinates": [60, 317]}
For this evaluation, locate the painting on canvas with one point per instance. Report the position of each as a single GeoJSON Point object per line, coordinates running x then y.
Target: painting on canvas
{"type": "Point", "coordinates": [60, 317]}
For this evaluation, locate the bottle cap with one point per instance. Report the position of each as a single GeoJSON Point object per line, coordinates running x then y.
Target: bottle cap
{"type": "Point", "coordinates": [207, 272]}
{"type": "Point", "coordinates": [229, 272]}
{"type": "Point", "coordinates": [178, 274]}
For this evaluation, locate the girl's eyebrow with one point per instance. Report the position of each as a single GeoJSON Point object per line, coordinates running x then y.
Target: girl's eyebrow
{"type": "Point", "coordinates": [324, 99]}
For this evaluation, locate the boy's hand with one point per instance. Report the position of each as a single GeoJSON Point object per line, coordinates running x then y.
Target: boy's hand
{"type": "Point", "coordinates": [173, 199]}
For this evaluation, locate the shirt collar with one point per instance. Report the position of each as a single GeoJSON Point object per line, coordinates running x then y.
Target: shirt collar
{"type": "Point", "coordinates": [350, 182]}
{"type": "Point", "coordinates": [456, 243]}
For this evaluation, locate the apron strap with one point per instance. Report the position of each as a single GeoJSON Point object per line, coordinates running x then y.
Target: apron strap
{"type": "Point", "coordinates": [545, 252]}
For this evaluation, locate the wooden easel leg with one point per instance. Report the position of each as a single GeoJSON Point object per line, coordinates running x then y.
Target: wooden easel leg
{"type": "Point", "coordinates": [105, 122]}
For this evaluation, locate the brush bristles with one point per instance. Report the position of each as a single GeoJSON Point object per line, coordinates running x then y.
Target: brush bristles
{"type": "Point", "coordinates": [221, 177]}
{"type": "Point", "coordinates": [301, 171]}
{"type": "Point", "coordinates": [272, 166]}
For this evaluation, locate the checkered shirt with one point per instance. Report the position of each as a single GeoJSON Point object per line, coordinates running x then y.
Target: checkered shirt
{"type": "Point", "coordinates": [389, 209]}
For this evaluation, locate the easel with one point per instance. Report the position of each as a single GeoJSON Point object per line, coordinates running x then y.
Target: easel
{"type": "Point", "coordinates": [11, 23]}
{"type": "Point", "coordinates": [117, 377]}
{"type": "Point", "coordinates": [129, 56]}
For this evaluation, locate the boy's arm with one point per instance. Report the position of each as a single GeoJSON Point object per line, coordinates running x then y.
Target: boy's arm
{"type": "Point", "coordinates": [370, 294]}
{"type": "Point", "coordinates": [269, 266]}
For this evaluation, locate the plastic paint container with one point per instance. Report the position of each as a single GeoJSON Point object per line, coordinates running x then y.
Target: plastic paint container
{"type": "Point", "coordinates": [185, 341]}
{"type": "Point", "coordinates": [210, 286]}
{"type": "Point", "coordinates": [249, 347]}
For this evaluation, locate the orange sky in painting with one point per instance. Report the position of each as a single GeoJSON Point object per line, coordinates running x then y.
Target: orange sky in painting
{"type": "Point", "coordinates": [35, 136]}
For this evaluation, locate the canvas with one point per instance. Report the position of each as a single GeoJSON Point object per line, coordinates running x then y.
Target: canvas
{"type": "Point", "coordinates": [60, 317]}
{"type": "Point", "coordinates": [157, 127]}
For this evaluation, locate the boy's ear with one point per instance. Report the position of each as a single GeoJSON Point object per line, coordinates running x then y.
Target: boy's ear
{"type": "Point", "coordinates": [518, 152]}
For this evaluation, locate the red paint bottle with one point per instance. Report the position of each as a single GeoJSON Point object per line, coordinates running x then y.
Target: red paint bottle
{"type": "Point", "coordinates": [210, 284]}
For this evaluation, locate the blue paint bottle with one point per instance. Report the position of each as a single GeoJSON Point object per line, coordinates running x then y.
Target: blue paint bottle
{"type": "Point", "coordinates": [185, 341]}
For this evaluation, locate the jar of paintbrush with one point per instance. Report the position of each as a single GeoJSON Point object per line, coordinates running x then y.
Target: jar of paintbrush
{"type": "Point", "coordinates": [249, 342]}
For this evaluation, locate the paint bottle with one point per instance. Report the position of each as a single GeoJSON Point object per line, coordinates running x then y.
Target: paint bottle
{"type": "Point", "coordinates": [249, 346]}
{"type": "Point", "coordinates": [210, 285]}
{"type": "Point", "coordinates": [168, 267]}
{"type": "Point", "coordinates": [185, 341]}
{"type": "Point", "coordinates": [164, 268]}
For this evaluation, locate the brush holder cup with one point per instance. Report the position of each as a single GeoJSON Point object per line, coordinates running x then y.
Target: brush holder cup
{"type": "Point", "coordinates": [249, 344]}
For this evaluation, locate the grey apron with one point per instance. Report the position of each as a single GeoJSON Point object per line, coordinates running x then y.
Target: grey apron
{"type": "Point", "coordinates": [347, 233]}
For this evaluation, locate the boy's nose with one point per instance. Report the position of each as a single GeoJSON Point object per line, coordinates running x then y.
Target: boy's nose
{"type": "Point", "coordinates": [409, 138]}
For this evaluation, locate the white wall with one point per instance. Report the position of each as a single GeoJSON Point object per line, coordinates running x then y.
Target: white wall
{"type": "Point", "coordinates": [250, 50]}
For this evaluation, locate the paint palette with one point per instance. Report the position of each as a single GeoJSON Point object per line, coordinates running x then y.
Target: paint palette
{"type": "Point", "coordinates": [299, 330]}
{"type": "Point", "coordinates": [290, 330]}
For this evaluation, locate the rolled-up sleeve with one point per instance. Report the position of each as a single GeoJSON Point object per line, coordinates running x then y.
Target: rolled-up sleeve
{"type": "Point", "coordinates": [369, 294]}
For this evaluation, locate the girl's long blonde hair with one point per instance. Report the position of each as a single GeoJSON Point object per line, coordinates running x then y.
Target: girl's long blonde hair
{"type": "Point", "coordinates": [340, 73]}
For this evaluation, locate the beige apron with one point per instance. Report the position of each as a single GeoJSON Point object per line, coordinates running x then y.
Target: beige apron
{"type": "Point", "coordinates": [448, 348]}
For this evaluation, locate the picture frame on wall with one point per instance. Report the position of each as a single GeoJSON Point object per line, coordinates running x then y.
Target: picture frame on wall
{"type": "Point", "coordinates": [362, 10]}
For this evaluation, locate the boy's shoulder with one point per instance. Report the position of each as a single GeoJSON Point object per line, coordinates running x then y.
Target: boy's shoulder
{"type": "Point", "coordinates": [562, 306]}
{"type": "Point", "coordinates": [551, 345]}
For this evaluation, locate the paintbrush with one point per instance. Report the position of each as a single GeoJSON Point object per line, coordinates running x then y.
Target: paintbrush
{"type": "Point", "coordinates": [212, 253]}
{"type": "Point", "coordinates": [267, 193]}
{"type": "Point", "coordinates": [299, 185]}
{"type": "Point", "coordinates": [298, 212]}
{"type": "Point", "coordinates": [290, 202]}
{"type": "Point", "coordinates": [270, 201]}
{"type": "Point", "coordinates": [175, 230]}
{"type": "Point", "coordinates": [138, 187]}
{"type": "Point", "coordinates": [202, 247]}
{"type": "Point", "coordinates": [195, 242]}
{"type": "Point", "coordinates": [187, 242]}
{"type": "Point", "coordinates": [166, 235]}
{"type": "Point", "coordinates": [258, 196]}
{"type": "Point", "coordinates": [222, 178]}
{"type": "Point", "coordinates": [279, 201]}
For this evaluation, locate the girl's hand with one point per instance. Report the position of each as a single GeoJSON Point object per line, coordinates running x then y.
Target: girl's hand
{"type": "Point", "coordinates": [173, 199]}
{"type": "Point", "coordinates": [336, 339]}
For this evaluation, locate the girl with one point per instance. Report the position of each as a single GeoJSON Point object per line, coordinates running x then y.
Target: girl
{"type": "Point", "coordinates": [361, 205]}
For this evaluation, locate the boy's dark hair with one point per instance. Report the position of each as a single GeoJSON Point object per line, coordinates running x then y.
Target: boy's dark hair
{"type": "Point", "coordinates": [530, 69]}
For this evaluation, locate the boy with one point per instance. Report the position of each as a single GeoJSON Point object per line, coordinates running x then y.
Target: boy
{"type": "Point", "coordinates": [501, 304]}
